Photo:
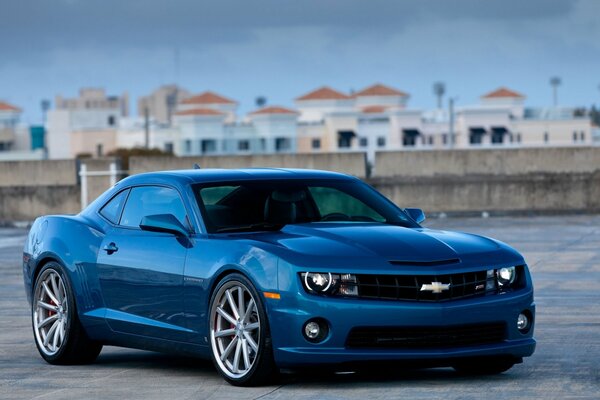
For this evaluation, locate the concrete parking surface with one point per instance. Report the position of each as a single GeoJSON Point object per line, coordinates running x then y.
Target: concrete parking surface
{"type": "Point", "coordinates": [564, 257]}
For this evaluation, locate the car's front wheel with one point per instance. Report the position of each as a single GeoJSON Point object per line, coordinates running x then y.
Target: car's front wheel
{"type": "Point", "coordinates": [239, 333]}
{"type": "Point", "coordinates": [59, 336]}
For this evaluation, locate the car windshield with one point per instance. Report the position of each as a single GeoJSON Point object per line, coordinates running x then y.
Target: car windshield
{"type": "Point", "coordinates": [259, 205]}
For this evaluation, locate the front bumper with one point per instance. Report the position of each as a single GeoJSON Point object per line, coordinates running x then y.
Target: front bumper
{"type": "Point", "coordinates": [291, 349]}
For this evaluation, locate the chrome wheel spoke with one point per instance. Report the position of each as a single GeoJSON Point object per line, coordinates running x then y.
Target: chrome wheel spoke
{"type": "Point", "coordinates": [249, 310]}
{"type": "Point", "coordinates": [50, 294]}
{"type": "Point", "coordinates": [50, 333]}
{"type": "Point", "coordinates": [47, 306]}
{"type": "Point", "coordinates": [234, 308]}
{"type": "Point", "coordinates": [225, 332]}
{"type": "Point", "coordinates": [228, 349]}
{"type": "Point", "coordinates": [236, 357]}
{"type": "Point", "coordinates": [228, 317]}
{"type": "Point", "coordinates": [47, 321]}
{"type": "Point", "coordinates": [251, 341]}
{"type": "Point", "coordinates": [241, 305]}
{"type": "Point", "coordinates": [252, 326]}
{"type": "Point", "coordinates": [246, 356]}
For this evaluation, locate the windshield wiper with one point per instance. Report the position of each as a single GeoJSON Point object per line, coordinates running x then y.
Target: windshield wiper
{"type": "Point", "coordinates": [261, 226]}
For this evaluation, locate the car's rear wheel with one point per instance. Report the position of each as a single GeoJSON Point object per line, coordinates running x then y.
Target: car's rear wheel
{"type": "Point", "coordinates": [59, 336]}
{"type": "Point", "coordinates": [239, 333]}
{"type": "Point", "coordinates": [484, 366]}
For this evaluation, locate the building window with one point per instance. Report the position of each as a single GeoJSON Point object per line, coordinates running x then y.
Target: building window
{"type": "Point", "coordinates": [316, 143]}
{"type": "Point", "coordinates": [188, 147]}
{"type": "Point", "coordinates": [381, 141]}
{"type": "Point", "coordinates": [169, 147]}
{"type": "Point", "coordinates": [263, 144]}
{"type": "Point", "coordinates": [582, 136]}
{"type": "Point", "coordinates": [546, 137]}
{"type": "Point", "coordinates": [208, 146]}
{"type": "Point", "coordinates": [244, 145]}
{"type": "Point", "coordinates": [111, 120]}
{"type": "Point", "coordinates": [476, 135]}
{"type": "Point", "coordinates": [518, 138]}
{"type": "Point", "coordinates": [409, 137]}
{"type": "Point", "coordinates": [574, 136]}
{"type": "Point", "coordinates": [99, 150]}
{"type": "Point", "coordinates": [430, 140]}
{"type": "Point", "coordinates": [345, 139]}
{"type": "Point", "coordinates": [445, 139]}
{"type": "Point", "coordinates": [363, 141]}
{"type": "Point", "coordinates": [282, 144]}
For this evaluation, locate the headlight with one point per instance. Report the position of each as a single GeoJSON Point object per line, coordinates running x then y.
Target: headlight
{"type": "Point", "coordinates": [506, 276]}
{"type": "Point", "coordinates": [330, 284]}
{"type": "Point", "coordinates": [318, 282]}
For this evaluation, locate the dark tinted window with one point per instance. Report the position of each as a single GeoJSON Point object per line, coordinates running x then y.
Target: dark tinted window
{"type": "Point", "coordinates": [112, 210]}
{"type": "Point", "coordinates": [260, 205]}
{"type": "Point", "coordinates": [152, 200]}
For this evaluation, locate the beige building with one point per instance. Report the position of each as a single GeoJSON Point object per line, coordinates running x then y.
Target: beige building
{"type": "Point", "coordinates": [162, 103]}
{"type": "Point", "coordinates": [377, 118]}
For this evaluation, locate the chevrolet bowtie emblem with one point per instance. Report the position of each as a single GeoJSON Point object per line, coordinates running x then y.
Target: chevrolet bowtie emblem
{"type": "Point", "coordinates": [435, 287]}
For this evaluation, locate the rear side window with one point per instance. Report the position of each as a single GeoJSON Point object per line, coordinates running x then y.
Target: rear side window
{"type": "Point", "coordinates": [112, 210]}
{"type": "Point", "coordinates": [152, 200]}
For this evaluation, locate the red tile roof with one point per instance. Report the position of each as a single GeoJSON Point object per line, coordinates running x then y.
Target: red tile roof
{"type": "Point", "coordinates": [373, 109]}
{"type": "Point", "coordinates": [8, 107]}
{"type": "Point", "coordinates": [324, 93]}
{"type": "Point", "coordinates": [502, 92]}
{"type": "Point", "coordinates": [380, 90]}
{"type": "Point", "coordinates": [274, 110]}
{"type": "Point", "coordinates": [200, 111]}
{"type": "Point", "coordinates": [207, 98]}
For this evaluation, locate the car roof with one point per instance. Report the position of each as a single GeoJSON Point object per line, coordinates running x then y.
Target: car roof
{"type": "Point", "coordinates": [191, 176]}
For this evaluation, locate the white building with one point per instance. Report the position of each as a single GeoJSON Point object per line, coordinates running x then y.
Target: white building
{"type": "Point", "coordinates": [208, 124]}
{"type": "Point", "coordinates": [377, 118]}
{"type": "Point", "coordinates": [87, 124]}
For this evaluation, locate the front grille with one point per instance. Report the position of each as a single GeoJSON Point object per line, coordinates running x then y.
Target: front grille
{"type": "Point", "coordinates": [427, 336]}
{"type": "Point", "coordinates": [408, 287]}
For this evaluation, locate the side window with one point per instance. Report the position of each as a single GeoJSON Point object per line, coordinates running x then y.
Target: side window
{"type": "Point", "coordinates": [112, 210]}
{"type": "Point", "coordinates": [334, 201]}
{"type": "Point", "coordinates": [152, 200]}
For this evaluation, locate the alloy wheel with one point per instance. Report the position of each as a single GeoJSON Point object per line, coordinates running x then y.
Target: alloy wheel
{"type": "Point", "coordinates": [235, 329]}
{"type": "Point", "coordinates": [50, 312]}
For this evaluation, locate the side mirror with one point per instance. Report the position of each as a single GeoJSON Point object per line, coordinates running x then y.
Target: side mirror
{"type": "Point", "coordinates": [416, 213]}
{"type": "Point", "coordinates": [166, 223]}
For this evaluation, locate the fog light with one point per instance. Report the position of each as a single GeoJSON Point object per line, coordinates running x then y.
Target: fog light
{"type": "Point", "coordinates": [523, 322]}
{"type": "Point", "coordinates": [312, 330]}
{"type": "Point", "coordinates": [316, 330]}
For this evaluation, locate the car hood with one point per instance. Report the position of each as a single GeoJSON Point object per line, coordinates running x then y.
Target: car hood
{"type": "Point", "coordinates": [394, 243]}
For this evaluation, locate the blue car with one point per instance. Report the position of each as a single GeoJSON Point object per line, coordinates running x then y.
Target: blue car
{"type": "Point", "coordinates": [270, 269]}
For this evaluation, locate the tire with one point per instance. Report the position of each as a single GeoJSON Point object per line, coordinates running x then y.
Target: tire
{"type": "Point", "coordinates": [240, 339]}
{"type": "Point", "coordinates": [484, 366]}
{"type": "Point", "coordinates": [58, 333]}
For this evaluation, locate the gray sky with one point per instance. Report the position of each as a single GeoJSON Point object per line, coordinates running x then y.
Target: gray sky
{"type": "Point", "coordinates": [281, 48]}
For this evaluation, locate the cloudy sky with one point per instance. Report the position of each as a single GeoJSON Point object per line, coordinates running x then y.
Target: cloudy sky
{"type": "Point", "coordinates": [282, 48]}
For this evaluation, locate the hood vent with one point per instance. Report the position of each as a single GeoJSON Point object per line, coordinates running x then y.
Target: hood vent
{"type": "Point", "coordinates": [426, 263]}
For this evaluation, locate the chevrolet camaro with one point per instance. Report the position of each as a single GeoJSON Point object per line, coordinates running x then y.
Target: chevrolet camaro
{"type": "Point", "coordinates": [269, 269]}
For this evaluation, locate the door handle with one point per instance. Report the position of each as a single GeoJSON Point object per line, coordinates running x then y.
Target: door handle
{"type": "Point", "coordinates": [110, 248]}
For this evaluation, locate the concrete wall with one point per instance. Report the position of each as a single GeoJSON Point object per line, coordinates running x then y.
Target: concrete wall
{"type": "Point", "coordinates": [533, 192]}
{"type": "Point", "coordinates": [539, 180]}
{"type": "Point", "coordinates": [25, 203]}
{"type": "Point", "coordinates": [35, 173]}
{"type": "Point", "coordinates": [492, 161]}
{"type": "Point", "coordinates": [349, 163]}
